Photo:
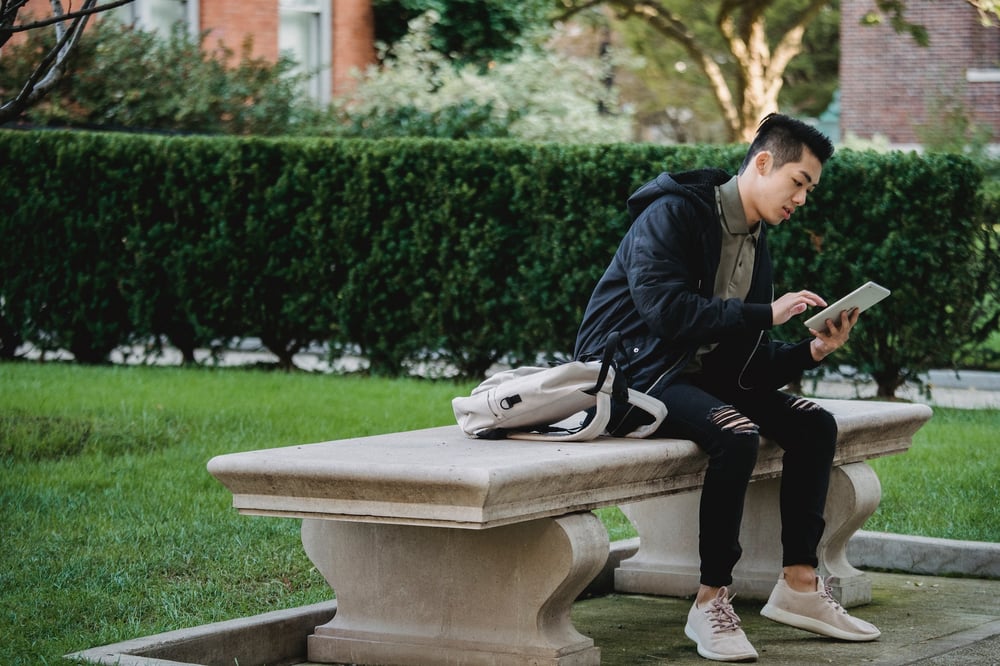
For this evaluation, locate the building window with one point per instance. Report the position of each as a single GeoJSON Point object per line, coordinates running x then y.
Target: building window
{"type": "Point", "coordinates": [160, 16]}
{"type": "Point", "coordinates": [304, 33]}
{"type": "Point", "coordinates": [982, 75]}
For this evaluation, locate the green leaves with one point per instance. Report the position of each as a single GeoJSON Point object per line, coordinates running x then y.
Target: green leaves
{"type": "Point", "coordinates": [461, 252]}
{"type": "Point", "coordinates": [124, 77]}
{"type": "Point", "coordinates": [535, 95]}
{"type": "Point", "coordinates": [895, 10]}
{"type": "Point", "coordinates": [913, 223]}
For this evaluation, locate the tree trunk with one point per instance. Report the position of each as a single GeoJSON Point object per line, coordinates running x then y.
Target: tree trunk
{"type": "Point", "coordinates": [887, 381]}
{"type": "Point", "coordinates": [754, 93]}
{"type": "Point", "coordinates": [761, 70]}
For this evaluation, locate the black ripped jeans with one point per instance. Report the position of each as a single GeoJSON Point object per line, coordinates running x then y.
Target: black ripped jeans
{"type": "Point", "coordinates": [728, 423]}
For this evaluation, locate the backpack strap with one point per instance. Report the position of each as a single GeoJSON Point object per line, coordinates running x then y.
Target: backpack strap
{"type": "Point", "coordinates": [597, 418]}
{"type": "Point", "coordinates": [607, 360]}
{"type": "Point", "coordinates": [592, 427]}
{"type": "Point", "coordinates": [650, 405]}
{"type": "Point", "coordinates": [634, 413]}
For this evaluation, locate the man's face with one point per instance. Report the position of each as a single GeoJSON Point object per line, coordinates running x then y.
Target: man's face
{"type": "Point", "coordinates": [780, 191]}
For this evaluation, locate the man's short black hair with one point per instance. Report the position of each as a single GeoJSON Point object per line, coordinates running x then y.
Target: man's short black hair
{"type": "Point", "coordinates": [784, 138]}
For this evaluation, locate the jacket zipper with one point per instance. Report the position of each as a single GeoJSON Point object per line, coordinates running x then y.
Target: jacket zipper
{"type": "Point", "coordinates": [682, 360]}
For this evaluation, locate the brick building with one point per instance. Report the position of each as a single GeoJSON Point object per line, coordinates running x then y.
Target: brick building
{"type": "Point", "coordinates": [329, 38]}
{"type": "Point", "coordinates": [891, 86]}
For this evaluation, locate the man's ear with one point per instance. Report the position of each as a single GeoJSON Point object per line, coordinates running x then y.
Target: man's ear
{"type": "Point", "coordinates": [762, 162]}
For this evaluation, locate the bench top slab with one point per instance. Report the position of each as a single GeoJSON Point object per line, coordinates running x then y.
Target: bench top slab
{"type": "Point", "coordinates": [440, 477]}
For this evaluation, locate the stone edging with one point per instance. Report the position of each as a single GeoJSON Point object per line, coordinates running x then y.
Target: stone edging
{"type": "Point", "coordinates": [873, 550]}
{"type": "Point", "coordinates": [924, 555]}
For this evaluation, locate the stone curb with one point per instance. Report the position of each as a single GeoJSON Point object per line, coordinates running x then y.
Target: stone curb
{"type": "Point", "coordinates": [924, 555]}
{"type": "Point", "coordinates": [866, 550]}
{"type": "Point", "coordinates": [265, 638]}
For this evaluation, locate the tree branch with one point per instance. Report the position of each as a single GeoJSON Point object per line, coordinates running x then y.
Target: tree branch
{"type": "Point", "coordinates": [668, 24]}
{"type": "Point", "coordinates": [52, 66]}
{"type": "Point", "coordinates": [791, 42]}
{"type": "Point", "coordinates": [8, 13]}
{"type": "Point", "coordinates": [70, 15]}
{"type": "Point", "coordinates": [989, 12]}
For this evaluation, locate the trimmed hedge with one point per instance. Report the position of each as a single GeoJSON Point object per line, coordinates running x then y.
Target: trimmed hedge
{"type": "Point", "coordinates": [465, 251]}
{"type": "Point", "coordinates": [918, 225]}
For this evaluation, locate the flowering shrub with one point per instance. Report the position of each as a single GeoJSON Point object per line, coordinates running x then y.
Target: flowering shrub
{"type": "Point", "coordinates": [536, 96]}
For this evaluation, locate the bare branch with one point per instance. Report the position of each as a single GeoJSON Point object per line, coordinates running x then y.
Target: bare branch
{"type": "Point", "coordinates": [53, 65]}
{"type": "Point", "coordinates": [27, 95]}
{"type": "Point", "coordinates": [8, 13]}
{"type": "Point", "coordinates": [69, 16]}
{"type": "Point", "coordinates": [671, 26]}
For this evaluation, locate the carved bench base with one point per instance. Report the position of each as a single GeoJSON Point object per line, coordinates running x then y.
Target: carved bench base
{"type": "Point", "coordinates": [432, 595]}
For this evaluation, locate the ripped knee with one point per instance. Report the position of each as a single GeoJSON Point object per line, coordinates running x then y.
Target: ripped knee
{"type": "Point", "coordinates": [821, 424]}
{"type": "Point", "coordinates": [802, 404]}
{"type": "Point", "coordinates": [729, 419]}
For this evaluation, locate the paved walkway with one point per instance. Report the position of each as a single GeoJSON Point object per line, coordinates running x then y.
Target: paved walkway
{"type": "Point", "coordinates": [924, 620]}
{"type": "Point", "coordinates": [968, 389]}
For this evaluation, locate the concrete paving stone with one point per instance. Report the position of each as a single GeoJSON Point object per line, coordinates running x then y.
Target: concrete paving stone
{"type": "Point", "coordinates": [924, 620]}
{"type": "Point", "coordinates": [933, 621]}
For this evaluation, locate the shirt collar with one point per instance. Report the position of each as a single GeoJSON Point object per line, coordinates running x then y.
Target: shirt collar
{"type": "Point", "coordinates": [731, 208]}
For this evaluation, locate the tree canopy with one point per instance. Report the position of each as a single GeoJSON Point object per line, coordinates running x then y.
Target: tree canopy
{"type": "Point", "coordinates": [473, 31]}
{"type": "Point", "coordinates": [745, 48]}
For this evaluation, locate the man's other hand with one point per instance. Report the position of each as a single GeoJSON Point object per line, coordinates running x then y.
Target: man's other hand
{"type": "Point", "coordinates": [835, 336]}
{"type": "Point", "coordinates": [793, 303]}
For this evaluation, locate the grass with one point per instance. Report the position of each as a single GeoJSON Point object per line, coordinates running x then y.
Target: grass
{"type": "Point", "coordinates": [113, 529]}
{"type": "Point", "coordinates": [986, 356]}
{"type": "Point", "coordinates": [947, 484]}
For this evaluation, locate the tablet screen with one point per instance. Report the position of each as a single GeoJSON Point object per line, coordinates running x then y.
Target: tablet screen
{"type": "Point", "coordinates": [861, 298]}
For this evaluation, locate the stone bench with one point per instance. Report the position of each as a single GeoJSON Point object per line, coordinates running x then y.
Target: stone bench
{"type": "Point", "coordinates": [445, 549]}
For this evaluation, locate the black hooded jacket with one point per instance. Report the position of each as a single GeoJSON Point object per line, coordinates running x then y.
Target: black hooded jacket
{"type": "Point", "coordinates": [658, 293]}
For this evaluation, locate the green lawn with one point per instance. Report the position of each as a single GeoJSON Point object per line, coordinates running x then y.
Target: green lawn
{"type": "Point", "coordinates": [113, 529]}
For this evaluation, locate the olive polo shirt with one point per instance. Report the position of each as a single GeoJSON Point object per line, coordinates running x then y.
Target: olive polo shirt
{"type": "Point", "coordinates": [739, 244]}
{"type": "Point", "coordinates": [738, 253]}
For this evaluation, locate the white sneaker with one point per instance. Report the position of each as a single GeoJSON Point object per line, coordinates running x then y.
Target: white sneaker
{"type": "Point", "coordinates": [816, 611]}
{"type": "Point", "coordinates": [715, 627]}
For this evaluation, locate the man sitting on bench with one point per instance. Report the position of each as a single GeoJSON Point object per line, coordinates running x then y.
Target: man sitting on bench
{"type": "Point", "coordinates": [690, 290]}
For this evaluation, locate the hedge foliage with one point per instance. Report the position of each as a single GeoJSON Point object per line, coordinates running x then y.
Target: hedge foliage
{"type": "Point", "coordinates": [468, 252]}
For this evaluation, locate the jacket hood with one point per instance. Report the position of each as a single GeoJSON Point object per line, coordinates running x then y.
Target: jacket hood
{"type": "Point", "coordinates": [698, 185]}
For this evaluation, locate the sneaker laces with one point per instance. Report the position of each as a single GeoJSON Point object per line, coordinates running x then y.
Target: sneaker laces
{"type": "Point", "coordinates": [723, 616]}
{"type": "Point", "coordinates": [826, 594]}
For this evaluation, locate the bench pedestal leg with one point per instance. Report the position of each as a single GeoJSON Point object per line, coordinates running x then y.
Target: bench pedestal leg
{"type": "Point", "coordinates": [433, 595]}
{"type": "Point", "coordinates": [667, 561]}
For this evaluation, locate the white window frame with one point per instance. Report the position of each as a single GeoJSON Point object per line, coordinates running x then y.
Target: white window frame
{"type": "Point", "coordinates": [983, 75]}
{"type": "Point", "coordinates": [321, 12]}
{"type": "Point", "coordinates": [140, 14]}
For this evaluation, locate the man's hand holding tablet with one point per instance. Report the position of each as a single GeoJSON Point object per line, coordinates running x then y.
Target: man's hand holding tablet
{"type": "Point", "coordinates": [860, 299]}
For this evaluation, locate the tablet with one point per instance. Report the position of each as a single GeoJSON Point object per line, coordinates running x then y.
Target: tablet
{"type": "Point", "coordinates": [861, 298]}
